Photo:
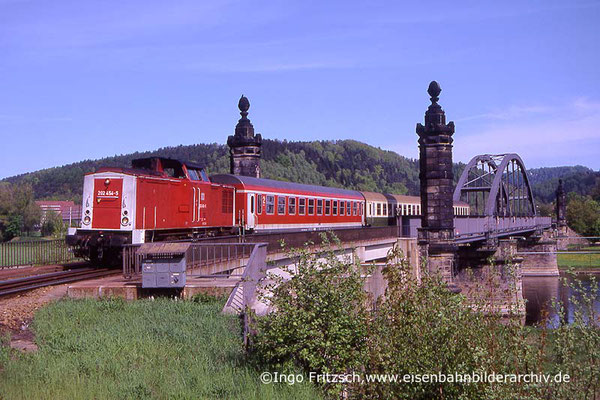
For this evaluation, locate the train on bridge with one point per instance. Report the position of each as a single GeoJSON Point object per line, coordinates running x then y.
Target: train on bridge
{"type": "Point", "coordinates": [161, 199]}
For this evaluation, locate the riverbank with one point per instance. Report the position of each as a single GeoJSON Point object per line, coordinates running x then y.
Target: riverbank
{"type": "Point", "coordinates": [580, 262]}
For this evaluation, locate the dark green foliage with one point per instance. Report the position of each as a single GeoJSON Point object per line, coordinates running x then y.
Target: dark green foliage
{"type": "Point", "coordinates": [53, 225]}
{"type": "Point", "coordinates": [18, 211]}
{"type": "Point", "coordinates": [583, 215]}
{"type": "Point", "coordinates": [321, 320]}
{"type": "Point", "coordinates": [578, 179]}
{"type": "Point", "coordinates": [345, 163]}
{"type": "Point", "coordinates": [420, 327]}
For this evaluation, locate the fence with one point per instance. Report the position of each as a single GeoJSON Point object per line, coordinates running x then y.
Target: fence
{"type": "Point", "coordinates": [34, 252]}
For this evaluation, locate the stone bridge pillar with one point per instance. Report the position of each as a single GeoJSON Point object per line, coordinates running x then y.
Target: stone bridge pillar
{"type": "Point", "coordinates": [244, 146]}
{"type": "Point", "coordinates": [561, 209]}
{"type": "Point", "coordinates": [436, 235]}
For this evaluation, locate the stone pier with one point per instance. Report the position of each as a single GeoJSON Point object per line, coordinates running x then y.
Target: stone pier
{"type": "Point", "coordinates": [539, 254]}
{"type": "Point", "coordinates": [436, 235]}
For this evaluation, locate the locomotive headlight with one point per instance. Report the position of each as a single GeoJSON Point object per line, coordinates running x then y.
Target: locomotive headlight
{"type": "Point", "coordinates": [87, 220]}
{"type": "Point", "coordinates": [125, 221]}
{"type": "Point", "coordinates": [107, 182]}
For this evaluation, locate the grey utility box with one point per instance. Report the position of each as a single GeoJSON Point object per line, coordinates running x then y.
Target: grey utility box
{"type": "Point", "coordinates": [163, 264]}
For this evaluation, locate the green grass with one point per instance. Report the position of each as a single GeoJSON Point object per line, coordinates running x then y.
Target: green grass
{"type": "Point", "coordinates": [112, 349]}
{"type": "Point", "coordinates": [580, 260]}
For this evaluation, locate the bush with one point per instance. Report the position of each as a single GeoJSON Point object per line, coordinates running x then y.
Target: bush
{"type": "Point", "coordinates": [321, 318]}
{"type": "Point", "coordinates": [322, 324]}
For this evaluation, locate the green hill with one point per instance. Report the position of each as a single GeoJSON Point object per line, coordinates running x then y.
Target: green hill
{"type": "Point", "coordinates": [345, 163]}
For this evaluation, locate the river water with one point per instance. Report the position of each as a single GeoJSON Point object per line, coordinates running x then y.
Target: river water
{"type": "Point", "coordinates": [540, 290]}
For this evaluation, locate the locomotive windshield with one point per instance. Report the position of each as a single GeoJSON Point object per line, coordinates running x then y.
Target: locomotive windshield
{"type": "Point", "coordinates": [197, 174]}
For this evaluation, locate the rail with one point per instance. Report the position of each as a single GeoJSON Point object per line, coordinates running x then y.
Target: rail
{"type": "Point", "coordinates": [14, 254]}
{"type": "Point", "coordinates": [18, 285]}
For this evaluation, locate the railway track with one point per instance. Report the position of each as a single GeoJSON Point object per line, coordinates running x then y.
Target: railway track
{"type": "Point", "coordinates": [19, 285]}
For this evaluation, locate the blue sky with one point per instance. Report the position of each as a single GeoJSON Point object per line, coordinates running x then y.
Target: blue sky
{"type": "Point", "coordinates": [89, 79]}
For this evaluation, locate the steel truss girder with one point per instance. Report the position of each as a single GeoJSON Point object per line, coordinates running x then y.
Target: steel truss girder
{"type": "Point", "coordinates": [509, 188]}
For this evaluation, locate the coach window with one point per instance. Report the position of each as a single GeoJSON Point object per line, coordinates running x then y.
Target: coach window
{"type": "Point", "coordinates": [251, 204]}
{"type": "Point", "coordinates": [327, 207]}
{"type": "Point", "coordinates": [270, 209]}
{"type": "Point", "coordinates": [281, 205]}
{"type": "Point", "coordinates": [370, 209]}
{"type": "Point", "coordinates": [319, 207]}
{"type": "Point", "coordinates": [311, 206]}
{"type": "Point", "coordinates": [259, 203]}
{"type": "Point", "coordinates": [342, 208]}
{"type": "Point", "coordinates": [404, 209]}
{"type": "Point", "coordinates": [354, 207]}
{"type": "Point", "coordinates": [348, 208]}
{"type": "Point", "coordinates": [292, 206]}
{"type": "Point", "coordinates": [335, 207]}
{"type": "Point", "coordinates": [301, 206]}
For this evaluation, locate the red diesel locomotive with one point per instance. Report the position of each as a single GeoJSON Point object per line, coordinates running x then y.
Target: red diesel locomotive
{"type": "Point", "coordinates": [163, 199]}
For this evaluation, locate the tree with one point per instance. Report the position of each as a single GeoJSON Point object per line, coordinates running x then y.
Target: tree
{"type": "Point", "coordinates": [18, 211]}
{"type": "Point", "coordinates": [583, 215]}
{"type": "Point", "coordinates": [53, 225]}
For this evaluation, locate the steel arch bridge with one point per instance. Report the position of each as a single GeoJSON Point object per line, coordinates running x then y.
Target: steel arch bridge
{"type": "Point", "coordinates": [500, 199]}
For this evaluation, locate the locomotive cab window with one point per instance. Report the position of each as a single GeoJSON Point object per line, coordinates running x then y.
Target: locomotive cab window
{"type": "Point", "coordinates": [281, 205]}
{"type": "Point", "coordinates": [292, 205]}
{"type": "Point", "coordinates": [174, 172]}
{"type": "Point", "coordinates": [270, 206]}
{"type": "Point", "coordinates": [197, 174]}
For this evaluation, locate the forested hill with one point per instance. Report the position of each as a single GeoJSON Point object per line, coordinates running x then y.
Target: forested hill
{"type": "Point", "coordinates": [346, 163]}
{"type": "Point", "coordinates": [578, 179]}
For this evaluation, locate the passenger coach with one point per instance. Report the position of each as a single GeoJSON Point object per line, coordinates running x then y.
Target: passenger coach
{"type": "Point", "coordinates": [266, 204]}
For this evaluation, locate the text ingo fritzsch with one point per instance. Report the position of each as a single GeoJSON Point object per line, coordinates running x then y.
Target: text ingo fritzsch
{"type": "Point", "coordinates": [268, 377]}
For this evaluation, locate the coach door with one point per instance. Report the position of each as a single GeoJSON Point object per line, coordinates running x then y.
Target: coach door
{"type": "Point", "coordinates": [251, 211]}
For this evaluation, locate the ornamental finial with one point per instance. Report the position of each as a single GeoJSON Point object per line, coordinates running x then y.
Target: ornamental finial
{"type": "Point", "coordinates": [244, 105]}
{"type": "Point", "coordinates": [434, 90]}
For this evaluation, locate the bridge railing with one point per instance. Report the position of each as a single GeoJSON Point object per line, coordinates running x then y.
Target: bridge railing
{"type": "Point", "coordinates": [497, 226]}
{"type": "Point", "coordinates": [34, 252]}
{"type": "Point", "coordinates": [207, 257]}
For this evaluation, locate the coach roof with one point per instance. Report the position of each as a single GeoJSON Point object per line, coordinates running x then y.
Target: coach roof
{"type": "Point", "coordinates": [249, 181]}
